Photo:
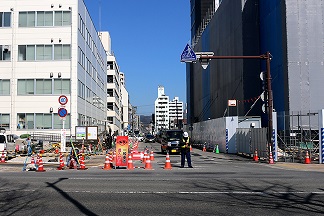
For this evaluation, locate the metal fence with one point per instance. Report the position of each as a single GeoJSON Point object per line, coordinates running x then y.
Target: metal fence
{"type": "Point", "coordinates": [300, 133]}
{"type": "Point", "coordinates": [249, 140]}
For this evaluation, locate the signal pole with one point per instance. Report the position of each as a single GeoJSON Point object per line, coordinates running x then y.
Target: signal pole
{"type": "Point", "coordinates": [204, 59]}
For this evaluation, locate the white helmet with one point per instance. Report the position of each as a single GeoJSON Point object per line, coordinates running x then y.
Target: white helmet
{"type": "Point", "coordinates": [185, 134]}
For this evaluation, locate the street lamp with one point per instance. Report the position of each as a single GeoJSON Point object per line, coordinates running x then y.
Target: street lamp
{"type": "Point", "coordinates": [205, 57]}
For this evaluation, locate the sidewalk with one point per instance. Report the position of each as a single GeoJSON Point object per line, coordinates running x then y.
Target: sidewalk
{"type": "Point", "coordinates": [316, 167]}
{"type": "Point", "coordinates": [99, 161]}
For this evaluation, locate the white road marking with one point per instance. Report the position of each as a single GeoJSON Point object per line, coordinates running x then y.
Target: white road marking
{"type": "Point", "coordinates": [187, 192]}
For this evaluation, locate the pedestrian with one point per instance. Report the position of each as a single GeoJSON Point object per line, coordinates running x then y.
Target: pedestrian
{"type": "Point", "coordinates": [185, 150]}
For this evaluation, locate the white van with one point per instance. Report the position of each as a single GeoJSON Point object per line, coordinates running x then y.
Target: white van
{"type": "Point", "coordinates": [3, 139]}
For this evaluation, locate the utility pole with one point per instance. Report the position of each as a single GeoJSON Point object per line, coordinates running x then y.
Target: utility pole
{"type": "Point", "coordinates": [177, 113]}
{"type": "Point", "coordinates": [133, 116]}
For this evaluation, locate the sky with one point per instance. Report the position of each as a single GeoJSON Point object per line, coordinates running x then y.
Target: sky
{"type": "Point", "coordinates": [147, 39]}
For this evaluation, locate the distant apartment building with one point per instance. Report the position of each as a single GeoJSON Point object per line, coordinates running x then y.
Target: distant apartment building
{"type": "Point", "coordinates": [176, 113]}
{"type": "Point", "coordinates": [168, 114]}
{"type": "Point", "coordinates": [49, 49]}
{"type": "Point", "coordinates": [161, 110]}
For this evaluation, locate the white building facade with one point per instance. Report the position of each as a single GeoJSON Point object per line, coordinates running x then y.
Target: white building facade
{"type": "Point", "coordinates": [114, 99]}
{"type": "Point", "coordinates": [125, 104]}
{"type": "Point", "coordinates": [49, 49]}
{"type": "Point", "coordinates": [161, 110]}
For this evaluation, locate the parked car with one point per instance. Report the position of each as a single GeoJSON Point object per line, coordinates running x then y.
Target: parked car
{"type": "Point", "coordinates": [140, 138]}
{"type": "Point", "coordinates": [170, 141]}
{"type": "Point", "coordinates": [149, 138]}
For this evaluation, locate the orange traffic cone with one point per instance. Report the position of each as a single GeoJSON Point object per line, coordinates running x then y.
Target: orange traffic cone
{"type": "Point", "coordinates": [32, 165]}
{"type": "Point", "coordinates": [61, 167]}
{"type": "Point", "coordinates": [190, 148]}
{"type": "Point", "coordinates": [204, 148]}
{"type": "Point", "coordinates": [107, 163]}
{"type": "Point", "coordinates": [32, 161]}
{"type": "Point", "coordinates": [255, 156]}
{"type": "Point", "coordinates": [41, 166]}
{"type": "Point", "coordinates": [144, 158]}
{"type": "Point", "coordinates": [270, 158]}
{"type": "Point", "coordinates": [152, 156]}
{"type": "Point", "coordinates": [148, 164]}
{"type": "Point", "coordinates": [3, 157]}
{"type": "Point", "coordinates": [130, 165]}
{"type": "Point", "coordinates": [82, 164]}
{"type": "Point", "coordinates": [307, 159]}
{"type": "Point", "coordinates": [73, 164]}
{"type": "Point", "coordinates": [167, 162]}
{"type": "Point", "coordinates": [37, 160]}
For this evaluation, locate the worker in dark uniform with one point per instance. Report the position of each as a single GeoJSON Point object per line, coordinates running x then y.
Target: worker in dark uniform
{"type": "Point", "coordinates": [185, 150]}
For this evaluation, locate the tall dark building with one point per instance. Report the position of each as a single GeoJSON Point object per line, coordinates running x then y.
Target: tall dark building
{"type": "Point", "coordinates": [286, 29]}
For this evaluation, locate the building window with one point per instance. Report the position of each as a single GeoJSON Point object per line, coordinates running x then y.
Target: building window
{"type": "Point", "coordinates": [25, 87]}
{"type": "Point", "coordinates": [110, 78]}
{"type": "Point", "coordinates": [81, 90]}
{"type": "Point", "coordinates": [44, 18]}
{"type": "Point", "coordinates": [5, 19]}
{"type": "Point", "coordinates": [62, 86]}
{"type": "Point", "coordinates": [4, 87]}
{"type": "Point", "coordinates": [110, 92]}
{"type": "Point", "coordinates": [25, 121]}
{"type": "Point", "coordinates": [110, 120]}
{"type": "Point", "coordinates": [43, 52]}
{"type": "Point", "coordinates": [27, 19]}
{"type": "Point", "coordinates": [110, 106]}
{"type": "Point", "coordinates": [58, 121]}
{"type": "Point", "coordinates": [62, 51]}
{"type": "Point", "coordinates": [4, 120]}
{"type": "Point", "coordinates": [5, 52]}
{"type": "Point", "coordinates": [43, 86]}
{"type": "Point", "coordinates": [43, 121]}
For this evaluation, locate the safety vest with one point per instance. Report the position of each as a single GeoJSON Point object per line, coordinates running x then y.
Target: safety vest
{"type": "Point", "coordinates": [185, 142]}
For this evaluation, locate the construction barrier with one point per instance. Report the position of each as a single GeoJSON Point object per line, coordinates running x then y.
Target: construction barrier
{"type": "Point", "coordinates": [137, 155]}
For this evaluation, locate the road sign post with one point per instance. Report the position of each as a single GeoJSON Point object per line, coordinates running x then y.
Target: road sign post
{"type": "Point", "coordinates": [62, 112]}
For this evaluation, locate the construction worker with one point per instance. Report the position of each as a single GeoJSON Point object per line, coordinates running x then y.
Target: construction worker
{"type": "Point", "coordinates": [185, 150]}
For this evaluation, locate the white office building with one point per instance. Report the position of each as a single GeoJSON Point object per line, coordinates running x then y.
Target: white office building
{"type": "Point", "coordinates": [161, 110]}
{"type": "Point", "coordinates": [49, 49]}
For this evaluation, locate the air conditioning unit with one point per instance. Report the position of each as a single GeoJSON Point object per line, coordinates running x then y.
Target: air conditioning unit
{"type": "Point", "coordinates": [6, 48]}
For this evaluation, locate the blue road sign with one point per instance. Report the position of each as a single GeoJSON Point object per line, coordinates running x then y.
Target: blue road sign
{"type": "Point", "coordinates": [62, 112]}
{"type": "Point", "coordinates": [188, 55]}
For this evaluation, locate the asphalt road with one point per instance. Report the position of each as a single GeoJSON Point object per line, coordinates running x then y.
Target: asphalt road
{"type": "Point", "coordinates": [219, 184]}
